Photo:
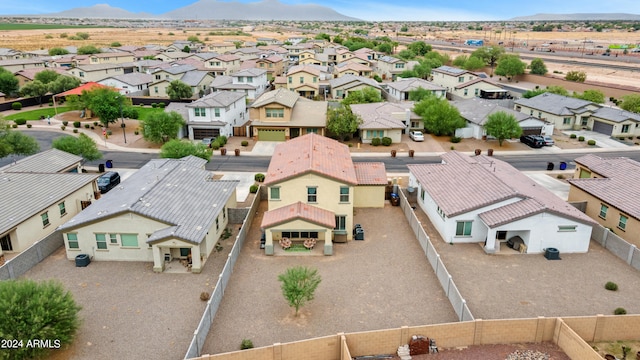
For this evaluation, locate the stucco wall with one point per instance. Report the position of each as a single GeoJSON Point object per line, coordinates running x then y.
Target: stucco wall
{"type": "Point", "coordinates": [369, 196]}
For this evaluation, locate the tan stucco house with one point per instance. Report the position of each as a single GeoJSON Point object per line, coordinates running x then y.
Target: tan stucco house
{"type": "Point", "coordinates": [386, 119]}
{"type": "Point", "coordinates": [169, 209]}
{"type": "Point", "coordinates": [313, 187]}
{"type": "Point", "coordinates": [565, 113]}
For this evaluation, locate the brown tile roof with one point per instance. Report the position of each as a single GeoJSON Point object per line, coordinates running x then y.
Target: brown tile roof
{"type": "Point", "coordinates": [371, 173]}
{"type": "Point", "coordinates": [299, 211]}
{"type": "Point", "coordinates": [620, 186]}
{"type": "Point", "coordinates": [512, 212]}
{"type": "Point", "coordinates": [311, 153]}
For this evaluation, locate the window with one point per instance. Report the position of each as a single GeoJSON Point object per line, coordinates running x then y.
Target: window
{"type": "Point", "coordinates": [422, 194]}
{"type": "Point", "coordinates": [463, 228]}
{"type": "Point", "coordinates": [129, 240]}
{"type": "Point", "coordinates": [101, 241]}
{"type": "Point", "coordinates": [622, 223]}
{"type": "Point", "coordinates": [312, 130]}
{"type": "Point", "coordinates": [5, 243]}
{"type": "Point", "coordinates": [274, 113]}
{"type": "Point", "coordinates": [155, 89]}
{"type": "Point", "coordinates": [45, 218]}
{"type": "Point", "coordinates": [113, 238]}
{"type": "Point", "coordinates": [315, 79]}
{"type": "Point", "coordinates": [200, 111]}
{"type": "Point", "coordinates": [539, 114]}
{"type": "Point", "coordinates": [249, 79]}
{"type": "Point", "coordinates": [344, 194]}
{"type": "Point", "coordinates": [72, 241]}
{"type": "Point", "coordinates": [217, 224]}
{"type": "Point", "coordinates": [441, 212]}
{"type": "Point", "coordinates": [584, 120]}
{"type": "Point", "coordinates": [625, 128]}
{"type": "Point", "coordinates": [531, 112]}
{"type": "Point", "coordinates": [216, 112]}
{"type": "Point", "coordinates": [240, 79]}
{"type": "Point", "coordinates": [341, 223]}
{"type": "Point", "coordinates": [603, 211]}
{"type": "Point", "coordinates": [301, 79]}
{"type": "Point", "coordinates": [566, 228]}
{"type": "Point", "coordinates": [400, 66]}
{"type": "Point", "coordinates": [566, 121]}
{"type": "Point", "coordinates": [81, 74]}
{"type": "Point", "coordinates": [274, 193]}
{"type": "Point", "coordinates": [312, 194]}
{"type": "Point", "coordinates": [466, 91]}
{"type": "Point", "coordinates": [375, 133]}
{"type": "Point", "coordinates": [460, 79]}
{"type": "Point", "coordinates": [290, 79]}
{"type": "Point", "coordinates": [476, 91]}
{"type": "Point", "coordinates": [63, 209]}
{"type": "Point", "coordinates": [224, 212]}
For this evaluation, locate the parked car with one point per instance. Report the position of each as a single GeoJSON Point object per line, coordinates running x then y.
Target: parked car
{"type": "Point", "coordinates": [108, 181]}
{"type": "Point", "coordinates": [416, 136]}
{"type": "Point", "coordinates": [548, 140]}
{"type": "Point", "coordinates": [533, 141]}
{"type": "Point", "coordinates": [207, 141]}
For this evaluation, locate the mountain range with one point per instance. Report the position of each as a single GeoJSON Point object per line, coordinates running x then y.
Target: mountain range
{"type": "Point", "coordinates": [214, 10]}
{"type": "Point", "coordinates": [579, 17]}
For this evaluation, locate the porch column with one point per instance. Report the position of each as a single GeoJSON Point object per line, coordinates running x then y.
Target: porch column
{"type": "Point", "coordinates": [268, 244]}
{"type": "Point", "coordinates": [196, 264]}
{"type": "Point", "coordinates": [158, 259]}
{"type": "Point", "coordinates": [491, 246]}
{"type": "Point", "coordinates": [190, 132]}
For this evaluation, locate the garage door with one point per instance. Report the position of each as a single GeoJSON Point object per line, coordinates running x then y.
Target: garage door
{"type": "Point", "coordinates": [602, 128]}
{"type": "Point", "coordinates": [200, 134]}
{"type": "Point", "coordinates": [271, 135]}
{"type": "Point", "coordinates": [531, 131]}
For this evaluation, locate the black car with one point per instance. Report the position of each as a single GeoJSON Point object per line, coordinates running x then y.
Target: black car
{"type": "Point", "coordinates": [533, 141]}
{"type": "Point", "coordinates": [108, 181]}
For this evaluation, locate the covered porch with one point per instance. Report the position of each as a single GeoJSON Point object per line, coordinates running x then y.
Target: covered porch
{"type": "Point", "coordinates": [175, 255]}
{"type": "Point", "coordinates": [497, 240]}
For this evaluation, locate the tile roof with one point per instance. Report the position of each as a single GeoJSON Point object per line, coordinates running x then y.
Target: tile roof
{"type": "Point", "coordinates": [311, 153]}
{"type": "Point", "coordinates": [219, 99]}
{"type": "Point", "coordinates": [478, 80]}
{"type": "Point", "coordinates": [194, 77]}
{"type": "Point", "coordinates": [356, 80]}
{"type": "Point", "coordinates": [134, 78]}
{"type": "Point", "coordinates": [31, 72]}
{"type": "Point", "coordinates": [177, 192]}
{"type": "Point", "coordinates": [620, 186]}
{"type": "Point", "coordinates": [49, 161]}
{"type": "Point", "coordinates": [454, 71]}
{"type": "Point", "coordinates": [455, 184]}
{"type": "Point", "coordinates": [409, 84]}
{"type": "Point", "coordinates": [221, 80]}
{"type": "Point", "coordinates": [249, 72]}
{"type": "Point", "coordinates": [180, 108]}
{"type": "Point", "coordinates": [555, 104]}
{"type": "Point", "coordinates": [371, 173]}
{"type": "Point", "coordinates": [615, 115]}
{"type": "Point", "coordinates": [477, 110]}
{"type": "Point", "coordinates": [383, 115]}
{"type": "Point", "coordinates": [304, 68]}
{"type": "Point", "coordinates": [298, 211]}
{"type": "Point", "coordinates": [281, 96]}
{"type": "Point", "coordinates": [390, 59]}
{"type": "Point", "coordinates": [180, 69]}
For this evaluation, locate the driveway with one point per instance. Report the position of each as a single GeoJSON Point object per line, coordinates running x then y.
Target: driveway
{"type": "Point", "coordinates": [602, 140]}
{"type": "Point", "coordinates": [558, 187]}
{"type": "Point", "coordinates": [246, 180]}
{"type": "Point", "coordinates": [264, 148]}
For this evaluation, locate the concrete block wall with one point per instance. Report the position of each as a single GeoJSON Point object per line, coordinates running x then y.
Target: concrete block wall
{"type": "Point", "coordinates": [572, 344]}
{"type": "Point", "coordinates": [237, 216]}
{"type": "Point", "coordinates": [29, 258]}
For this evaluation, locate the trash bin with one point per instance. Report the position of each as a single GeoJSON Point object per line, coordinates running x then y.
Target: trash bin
{"type": "Point", "coordinates": [356, 227]}
{"type": "Point", "coordinates": [82, 260]}
{"type": "Point", "coordinates": [395, 199]}
{"type": "Point", "coordinates": [359, 234]}
{"type": "Point", "coordinates": [563, 165]}
{"type": "Point", "coordinates": [101, 168]}
{"type": "Point", "coordinates": [109, 164]}
{"type": "Point", "coordinates": [549, 166]}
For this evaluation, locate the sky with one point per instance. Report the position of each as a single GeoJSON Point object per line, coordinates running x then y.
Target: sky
{"type": "Point", "coordinates": [371, 10]}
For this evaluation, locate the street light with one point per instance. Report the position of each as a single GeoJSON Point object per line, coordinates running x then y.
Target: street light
{"type": "Point", "coordinates": [124, 132]}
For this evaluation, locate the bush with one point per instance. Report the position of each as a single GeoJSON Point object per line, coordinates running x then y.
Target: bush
{"type": "Point", "coordinates": [386, 141]}
{"type": "Point", "coordinates": [253, 189]}
{"type": "Point", "coordinates": [375, 141]}
{"type": "Point", "coordinates": [95, 123]}
{"type": "Point", "coordinates": [65, 123]}
{"type": "Point", "coordinates": [573, 136]}
{"type": "Point", "coordinates": [136, 132]}
{"type": "Point", "coordinates": [259, 177]}
{"type": "Point", "coordinates": [560, 176]}
{"type": "Point", "coordinates": [36, 310]}
{"type": "Point", "coordinates": [29, 126]}
{"type": "Point", "coordinates": [75, 131]}
{"type": "Point", "coordinates": [20, 121]}
{"type": "Point", "coordinates": [86, 126]}
{"type": "Point", "coordinates": [76, 124]}
{"type": "Point", "coordinates": [244, 143]}
{"type": "Point", "coordinates": [456, 139]}
{"type": "Point", "coordinates": [50, 102]}
{"type": "Point", "coordinates": [222, 139]}
{"type": "Point", "coordinates": [109, 132]}
{"type": "Point", "coordinates": [154, 105]}
{"type": "Point", "coordinates": [215, 145]}
{"type": "Point", "coordinates": [619, 311]}
{"type": "Point", "coordinates": [130, 112]}
{"type": "Point", "coordinates": [63, 127]}
{"type": "Point", "coordinates": [246, 344]}
{"type": "Point", "coordinates": [610, 285]}
{"type": "Point", "coordinates": [591, 142]}
{"type": "Point", "coordinates": [16, 106]}
{"type": "Point", "coordinates": [161, 105]}
{"type": "Point", "coordinates": [580, 138]}
{"type": "Point", "coordinates": [14, 126]}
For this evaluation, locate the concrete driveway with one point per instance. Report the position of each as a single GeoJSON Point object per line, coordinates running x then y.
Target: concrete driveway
{"type": "Point", "coordinates": [264, 148]}
{"type": "Point", "coordinates": [246, 180]}
{"type": "Point", "coordinates": [558, 187]}
{"type": "Point", "coordinates": [602, 140]}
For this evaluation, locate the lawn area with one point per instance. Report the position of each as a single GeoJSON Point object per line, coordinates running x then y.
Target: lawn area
{"type": "Point", "coordinates": [36, 114]}
{"type": "Point", "coordinates": [144, 112]}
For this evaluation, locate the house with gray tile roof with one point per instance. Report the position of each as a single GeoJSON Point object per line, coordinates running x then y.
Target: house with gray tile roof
{"type": "Point", "coordinates": [169, 209]}
{"type": "Point", "coordinates": [389, 67]}
{"type": "Point", "coordinates": [564, 112]}
{"type": "Point", "coordinates": [341, 86]}
{"type": "Point", "coordinates": [216, 114]}
{"type": "Point", "coordinates": [615, 122]}
{"type": "Point", "coordinates": [610, 190]}
{"type": "Point", "coordinates": [39, 193]}
{"type": "Point", "coordinates": [253, 82]}
{"type": "Point", "coordinates": [386, 119]}
{"type": "Point", "coordinates": [485, 200]}
{"type": "Point", "coordinates": [400, 88]}
{"type": "Point", "coordinates": [129, 83]}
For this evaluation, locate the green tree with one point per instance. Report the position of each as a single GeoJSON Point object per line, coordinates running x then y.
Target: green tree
{"type": "Point", "coordinates": [558, 90]}
{"type": "Point", "coordinates": [336, 39]}
{"type": "Point", "coordinates": [420, 48]}
{"type": "Point", "coordinates": [502, 126]}
{"type": "Point", "coordinates": [595, 96]}
{"type": "Point", "coordinates": [105, 103]}
{"type": "Point", "coordinates": [533, 93]}
{"type": "Point", "coordinates": [82, 145]}
{"type": "Point", "coordinates": [460, 60]}
{"type": "Point", "coordinates": [404, 28]}
{"type": "Point", "coordinates": [46, 76]}
{"type": "Point", "coordinates": [299, 285]}
{"type": "Point", "coordinates": [88, 50]}
{"type": "Point", "coordinates": [176, 149]}
{"type": "Point", "coordinates": [32, 310]}
{"type": "Point", "coordinates": [489, 54]}
{"type": "Point", "coordinates": [385, 47]}
{"type": "Point", "coordinates": [178, 90]}
{"type": "Point", "coordinates": [323, 36]}
{"type": "Point", "coordinates": [473, 64]}
{"type": "Point", "coordinates": [15, 142]}
{"type": "Point", "coordinates": [364, 96]}
{"type": "Point", "coordinates": [63, 83]}
{"type": "Point", "coordinates": [631, 103]}
{"type": "Point", "coordinates": [419, 94]}
{"type": "Point", "coordinates": [186, 49]}
{"type": "Point", "coordinates": [538, 67]}
{"type": "Point", "coordinates": [35, 89]}
{"type": "Point", "coordinates": [116, 44]}
{"type": "Point", "coordinates": [193, 39]}
{"type": "Point", "coordinates": [577, 76]}
{"type": "Point", "coordinates": [57, 51]}
{"type": "Point", "coordinates": [406, 54]}
{"type": "Point", "coordinates": [439, 117]}
{"type": "Point", "coordinates": [8, 82]}
{"type": "Point", "coordinates": [341, 121]}
{"type": "Point", "coordinates": [510, 65]}
{"type": "Point", "coordinates": [162, 127]}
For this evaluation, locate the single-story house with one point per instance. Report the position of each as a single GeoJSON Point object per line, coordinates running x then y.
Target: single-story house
{"type": "Point", "coordinates": [401, 88]}
{"type": "Point", "coordinates": [564, 112]}
{"type": "Point", "coordinates": [615, 122]}
{"type": "Point", "coordinates": [386, 119]}
{"type": "Point", "coordinates": [340, 87]}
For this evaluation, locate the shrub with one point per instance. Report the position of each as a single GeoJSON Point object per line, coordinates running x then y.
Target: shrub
{"type": "Point", "coordinates": [375, 141]}
{"type": "Point", "coordinates": [76, 124]}
{"type": "Point", "coordinates": [580, 138]}
{"type": "Point", "coordinates": [95, 123]}
{"type": "Point", "coordinates": [619, 311]}
{"type": "Point", "coordinates": [50, 102]}
{"type": "Point", "coordinates": [16, 106]}
{"type": "Point", "coordinates": [161, 105]}
{"type": "Point", "coordinates": [591, 142]}
{"type": "Point", "coordinates": [560, 176]}
{"type": "Point", "coordinates": [246, 344]}
{"type": "Point", "coordinates": [259, 177]}
{"type": "Point", "coordinates": [65, 123]}
{"type": "Point", "coordinates": [154, 105]}
{"type": "Point", "coordinates": [610, 285]}
{"type": "Point", "coordinates": [452, 147]}
{"type": "Point", "coordinates": [86, 126]}
{"type": "Point", "coordinates": [63, 127]}
{"type": "Point", "coordinates": [386, 141]}
{"type": "Point", "coordinates": [130, 112]}
{"type": "Point", "coordinates": [75, 131]}
{"type": "Point", "coordinates": [573, 136]}
{"type": "Point", "coordinates": [222, 139]}
{"type": "Point", "coordinates": [109, 132]}
{"type": "Point", "coordinates": [204, 296]}
{"type": "Point", "coordinates": [253, 189]}
{"type": "Point", "coordinates": [244, 143]}
{"type": "Point", "coordinates": [456, 139]}
{"type": "Point", "coordinates": [136, 132]}
{"type": "Point", "coordinates": [29, 126]}
{"type": "Point", "coordinates": [14, 126]}
{"type": "Point", "coordinates": [215, 145]}
{"type": "Point", "coordinates": [20, 121]}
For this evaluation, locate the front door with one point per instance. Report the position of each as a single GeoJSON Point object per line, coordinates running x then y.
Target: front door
{"type": "Point", "coordinates": [295, 132]}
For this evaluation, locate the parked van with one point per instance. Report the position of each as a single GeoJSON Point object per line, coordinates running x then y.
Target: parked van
{"type": "Point", "coordinates": [108, 181]}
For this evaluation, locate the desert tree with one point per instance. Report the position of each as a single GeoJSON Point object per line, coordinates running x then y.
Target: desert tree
{"type": "Point", "coordinates": [176, 149]}
{"type": "Point", "coordinates": [14, 142]}
{"type": "Point", "coordinates": [178, 90]}
{"type": "Point", "coordinates": [342, 122]}
{"type": "Point", "coordinates": [364, 96]}
{"type": "Point", "coordinates": [161, 127]}
{"type": "Point", "coordinates": [631, 103]}
{"type": "Point", "coordinates": [576, 75]}
{"type": "Point", "coordinates": [510, 65]}
{"type": "Point", "coordinates": [88, 50]}
{"type": "Point", "coordinates": [489, 54]}
{"type": "Point", "coordinates": [592, 95]}
{"type": "Point", "coordinates": [82, 145]}
{"type": "Point", "coordinates": [299, 285]}
{"type": "Point", "coordinates": [8, 82]}
{"type": "Point", "coordinates": [439, 117]}
{"type": "Point", "coordinates": [35, 89]}
{"type": "Point", "coordinates": [537, 67]}
{"type": "Point", "coordinates": [63, 83]}
{"type": "Point", "coordinates": [46, 76]}
{"type": "Point", "coordinates": [57, 51]}
{"type": "Point", "coordinates": [502, 126]}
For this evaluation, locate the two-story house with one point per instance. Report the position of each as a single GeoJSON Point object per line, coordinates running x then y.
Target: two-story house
{"type": "Point", "coordinates": [119, 57]}
{"type": "Point", "coordinates": [389, 67]}
{"type": "Point", "coordinates": [401, 88]}
{"type": "Point", "coordinates": [216, 114]}
{"type": "Point", "coordinates": [273, 64]}
{"type": "Point", "coordinates": [15, 65]}
{"type": "Point", "coordinates": [221, 47]}
{"type": "Point", "coordinates": [253, 82]}
{"type": "Point", "coordinates": [282, 114]}
{"type": "Point", "coordinates": [565, 113]}
{"type": "Point", "coordinates": [464, 84]}
{"type": "Point", "coordinates": [223, 64]}
{"type": "Point", "coordinates": [341, 86]}
{"type": "Point", "coordinates": [352, 68]}
{"type": "Point", "coordinates": [313, 187]}
{"type": "Point", "coordinates": [95, 73]}
{"type": "Point", "coordinates": [305, 79]}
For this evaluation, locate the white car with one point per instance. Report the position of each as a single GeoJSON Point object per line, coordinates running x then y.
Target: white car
{"type": "Point", "coordinates": [416, 136]}
{"type": "Point", "coordinates": [548, 140]}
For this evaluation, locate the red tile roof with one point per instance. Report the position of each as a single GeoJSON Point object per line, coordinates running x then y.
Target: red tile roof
{"type": "Point", "coordinates": [311, 153]}
{"type": "Point", "coordinates": [371, 173]}
{"type": "Point", "coordinates": [299, 211]}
